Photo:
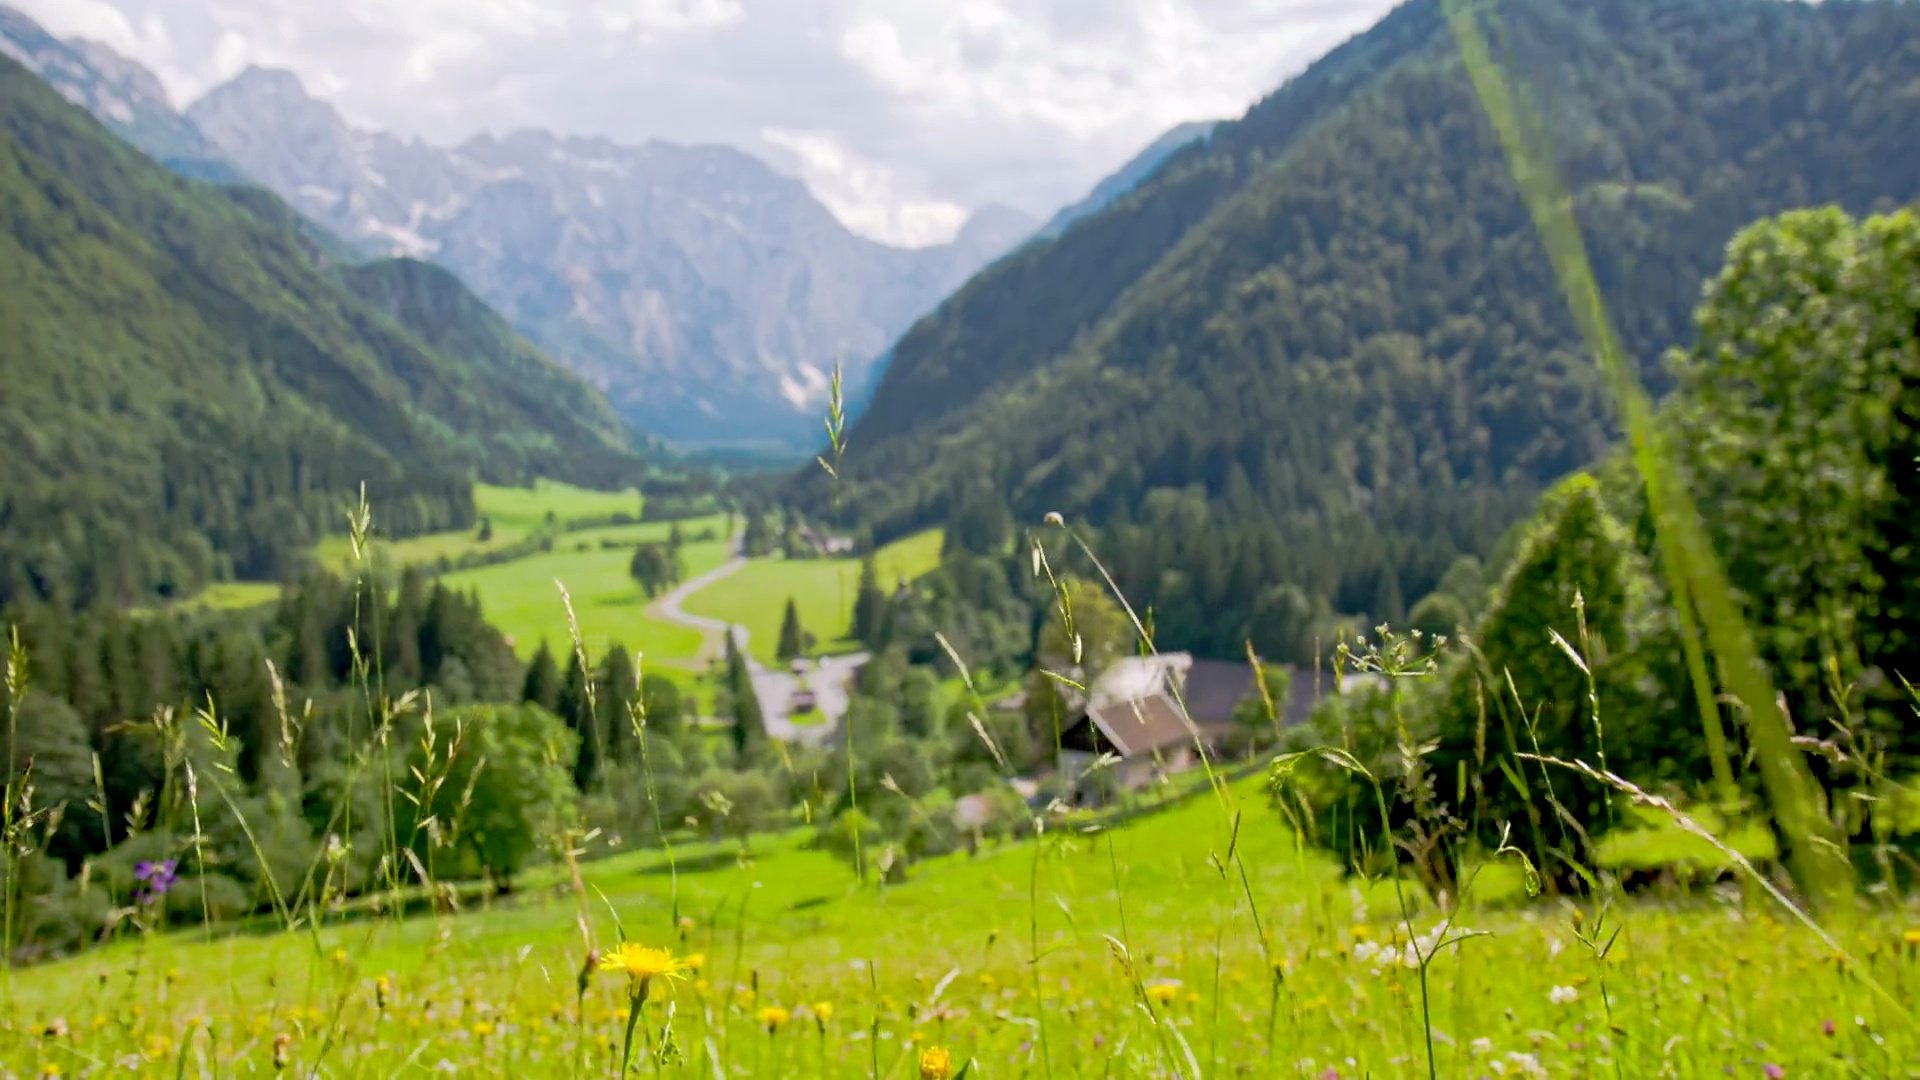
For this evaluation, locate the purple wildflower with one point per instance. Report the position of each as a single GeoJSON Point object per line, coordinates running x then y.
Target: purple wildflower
{"type": "Point", "coordinates": [155, 879]}
{"type": "Point", "coordinates": [1775, 1072]}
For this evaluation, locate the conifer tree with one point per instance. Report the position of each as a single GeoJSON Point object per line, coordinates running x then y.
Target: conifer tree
{"type": "Point", "coordinates": [542, 684]}
{"type": "Point", "coordinates": [869, 603]}
{"type": "Point", "coordinates": [616, 692]}
{"type": "Point", "coordinates": [573, 709]}
{"type": "Point", "coordinates": [793, 640]}
{"type": "Point", "coordinates": [749, 727]}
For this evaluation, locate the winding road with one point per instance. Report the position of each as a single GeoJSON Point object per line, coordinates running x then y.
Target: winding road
{"type": "Point", "coordinates": [774, 687]}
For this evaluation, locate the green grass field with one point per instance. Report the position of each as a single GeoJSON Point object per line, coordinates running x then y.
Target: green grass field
{"type": "Point", "coordinates": [521, 599]}
{"type": "Point", "coordinates": [515, 513]}
{"type": "Point", "coordinates": [822, 589]}
{"type": "Point", "coordinates": [228, 596]}
{"type": "Point", "coordinates": [1107, 954]}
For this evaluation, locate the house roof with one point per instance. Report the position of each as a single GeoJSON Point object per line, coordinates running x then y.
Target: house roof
{"type": "Point", "coordinates": [1129, 728]}
{"type": "Point", "coordinates": [1214, 688]}
{"type": "Point", "coordinates": [1133, 677]}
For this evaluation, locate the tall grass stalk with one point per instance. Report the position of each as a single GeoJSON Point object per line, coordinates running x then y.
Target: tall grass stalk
{"type": "Point", "coordinates": [16, 686]}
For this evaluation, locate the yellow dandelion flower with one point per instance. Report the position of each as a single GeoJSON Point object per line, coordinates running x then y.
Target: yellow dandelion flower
{"type": "Point", "coordinates": [772, 1017]}
{"type": "Point", "coordinates": [823, 1011]}
{"type": "Point", "coordinates": [643, 964]}
{"type": "Point", "coordinates": [1911, 937]}
{"type": "Point", "coordinates": [339, 956]}
{"type": "Point", "coordinates": [483, 1029]}
{"type": "Point", "coordinates": [694, 961]}
{"type": "Point", "coordinates": [49, 1069]}
{"type": "Point", "coordinates": [1162, 993]}
{"type": "Point", "coordinates": [935, 1063]}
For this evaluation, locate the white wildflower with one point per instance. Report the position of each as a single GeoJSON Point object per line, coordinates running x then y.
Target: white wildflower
{"type": "Point", "coordinates": [1563, 995]}
{"type": "Point", "coordinates": [1519, 1064]}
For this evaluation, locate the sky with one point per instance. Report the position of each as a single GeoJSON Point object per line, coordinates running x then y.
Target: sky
{"type": "Point", "coordinates": [902, 116]}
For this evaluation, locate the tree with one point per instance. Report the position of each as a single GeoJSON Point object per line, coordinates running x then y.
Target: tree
{"type": "Point", "coordinates": [507, 791]}
{"type": "Point", "coordinates": [1578, 574]}
{"type": "Point", "coordinates": [794, 641]}
{"type": "Point", "coordinates": [542, 684]}
{"type": "Point", "coordinates": [655, 566]}
{"type": "Point", "coordinates": [660, 697]}
{"type": "Point", "coordinates": [1889, 258]}
{"type": "Point", "coordinates": [50, 737]}
{"type": "Point", "coordinates": [869, 604]}
{"type": "Point", "coordinates": [756, 538]}
{"type": "Point", "coordinates": [574, 712]}
{"type": "Point", "coordinates": [616, 690]}
{"type": "Point", "coordinates": [979, 524]}
{"type": "Point", "coordinates": [749, 726]}
{"type": "Point", "coordinates": [1777, 403]}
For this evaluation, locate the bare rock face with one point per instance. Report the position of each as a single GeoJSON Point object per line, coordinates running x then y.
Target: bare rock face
{"type": "Point", "coordinates": [706, 293]}
{"type": "Point", "coordinates": [121, 94]}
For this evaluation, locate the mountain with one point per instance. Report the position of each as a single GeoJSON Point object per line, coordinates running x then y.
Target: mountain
{"type": "Point", "coordinates": [1324, 353]}
{"type": "Point", "coordinates": [706, 293]}
{"type": "Point", "coordinates": [192, 392]}
{"type": "Point", "coordinates": [123, 95]}
{"type": "Point", "coordinates": [1128, 176]}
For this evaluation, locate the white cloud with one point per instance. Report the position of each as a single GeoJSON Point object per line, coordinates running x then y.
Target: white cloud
{"type": "Point", "coordinates": [901, 114]}
{"type": "Point", "coordinates": [649, 16]}
{"type": "Point", "coordinates": [866, 196]}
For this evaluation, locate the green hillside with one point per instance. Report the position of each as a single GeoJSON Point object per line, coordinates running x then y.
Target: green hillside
{"type": "Point", "coordinates": [192, 394]}
{"type": "Point", "coordinates": [1335, 321]}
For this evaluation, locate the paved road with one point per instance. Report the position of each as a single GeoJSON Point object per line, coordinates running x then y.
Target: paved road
{"type": "Point", "coordinates": [774, 687]}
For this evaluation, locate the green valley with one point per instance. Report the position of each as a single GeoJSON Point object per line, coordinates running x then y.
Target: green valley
{"type": "Point", "coordinates": [1421, 579]}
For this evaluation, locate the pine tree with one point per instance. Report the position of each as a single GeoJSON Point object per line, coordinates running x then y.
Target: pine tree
{"type": "Point", "coordinates": [616, 692]}
{"type": "Point", "coordinates": [402, 639]}
{"type": "Point", "coordinates": [793, 640]}
{"type": "Point", "coordinates": [573, 709]}
{"type": "Point", "coordinates": [869, 603]}
{"type": "Point", "coordinates": [749, 727]}
{"type": "Point", "coordinates": [542, 684]}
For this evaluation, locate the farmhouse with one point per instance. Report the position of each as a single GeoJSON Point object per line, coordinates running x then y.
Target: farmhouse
{"type": "Point", "coordinates": [822, 544]}
{"type": "Point", "coordinates": [1134, 712]}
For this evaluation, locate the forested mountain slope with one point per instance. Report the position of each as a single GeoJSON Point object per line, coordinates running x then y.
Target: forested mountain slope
{"type": "Point", "coordinates": [190, 392]}
{"type": "Point", "coordinates": [1335, 318]}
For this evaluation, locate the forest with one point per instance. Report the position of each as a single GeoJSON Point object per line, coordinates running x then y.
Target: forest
{"type": "Point", "coordinates": [196, 392]}
{"type": "Point", "coordinates": [1310, 366]}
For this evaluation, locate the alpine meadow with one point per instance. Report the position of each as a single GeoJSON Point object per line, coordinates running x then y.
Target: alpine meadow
{"type": "Point", "coordinates": [1420, 578]}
